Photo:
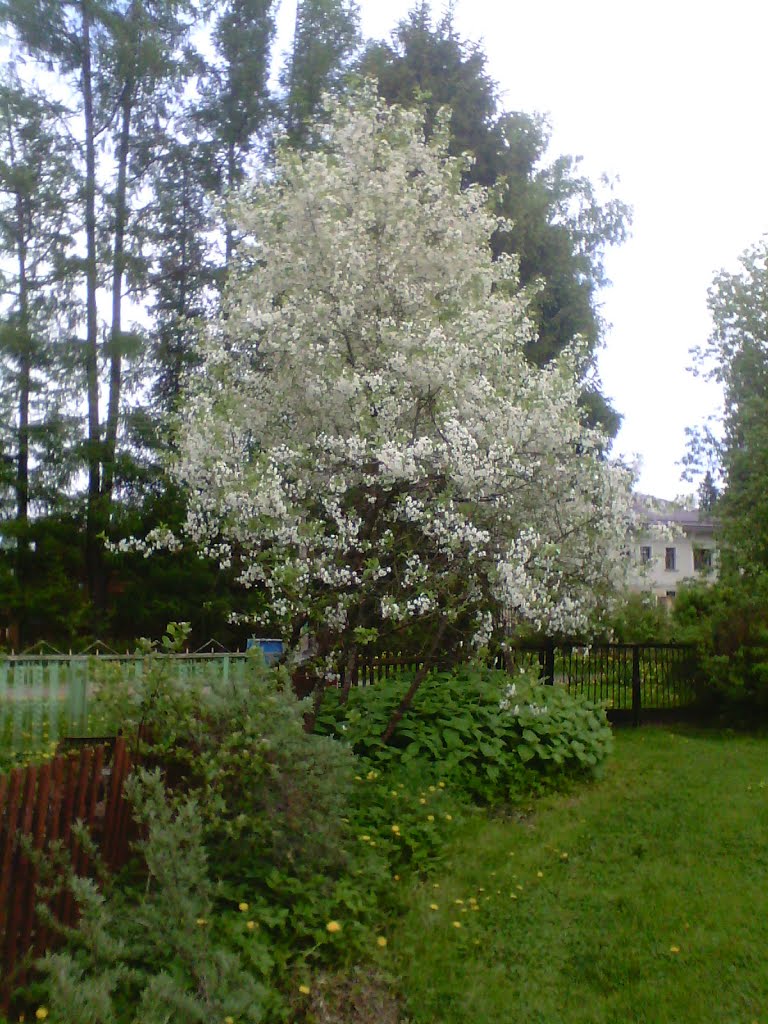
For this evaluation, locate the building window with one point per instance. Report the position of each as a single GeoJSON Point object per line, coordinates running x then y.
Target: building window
{"type": "Point", "coordinates": [702, 559]}
{"type": "Point", "coordinates": [645, 554]}
{"type": "Point", "coordinates": [670, 559]}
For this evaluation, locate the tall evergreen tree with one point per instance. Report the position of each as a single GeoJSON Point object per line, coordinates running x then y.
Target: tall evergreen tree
{"type": "Point", "coordinates": [235, 106]}
{"type": "Point", "coordinates": [36, 234]}
{"type": "Point", "coordinates": [122, 62]}
{"type": "Point", "coordinates": [326, 36]}
{"type": "Point", "coordinates": [560, 224]}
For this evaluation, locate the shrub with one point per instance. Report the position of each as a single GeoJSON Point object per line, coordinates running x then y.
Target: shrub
{"type": "Point", "coordinates": [163, 949]}
{"type": "Point", "coordinates": [640, 619]}
{"type": "Point", "coordinates": [244, 809]}
{"type": "Point", "coordinates": [728, 624]}
{"type": "Point", "coordinates": [490, 737]}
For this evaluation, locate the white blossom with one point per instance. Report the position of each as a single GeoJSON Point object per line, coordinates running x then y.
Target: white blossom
{"type": "Point", "coordinates": [366, 430]}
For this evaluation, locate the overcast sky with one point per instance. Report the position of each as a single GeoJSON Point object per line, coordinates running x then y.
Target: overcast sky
{"type": "Point", "coordinates": [670, 97]}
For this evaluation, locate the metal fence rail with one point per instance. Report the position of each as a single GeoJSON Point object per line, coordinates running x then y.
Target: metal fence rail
{"type": "Point", "coordinates": [45, 697]}
{"type": "Point", "coordinates": [628, 679]}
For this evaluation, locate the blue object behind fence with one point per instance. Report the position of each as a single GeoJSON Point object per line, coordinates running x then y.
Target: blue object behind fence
{"type": "Point", "coordinates": [271, 649]}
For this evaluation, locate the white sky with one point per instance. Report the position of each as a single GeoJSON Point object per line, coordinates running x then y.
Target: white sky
{"type": "Point", "coordinates": [669, 95]}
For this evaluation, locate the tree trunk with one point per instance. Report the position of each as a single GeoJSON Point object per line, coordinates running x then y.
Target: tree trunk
{"type": "Point", "coordinates": [118, 269]}
{"type": "Point", "coordinates": [421, 675]}
{"type": "Point", "coordinates": [25, 379]}
{"type": "Point", "coordinates": [231, 177]}
{"type": "Point", "coordinates": [94, 518]}
{"type": "Point", "coordinates": [350, 673]}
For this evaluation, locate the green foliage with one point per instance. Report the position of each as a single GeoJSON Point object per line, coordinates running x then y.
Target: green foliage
{"type": "Point", "coordinates": [163, 950]}
{"type": "Point", "coordinates": [639, 619]}
{"type": "Point", "coordinates": [728, 623]}
{"type": "Point", "coordinates": [325, 36]}
{"type": "Point", "coordinates": [561, 223]}
{"type": "Point", "coordinates": [489, 739]}
{"type": "Point", "coordinates": [280, 815]}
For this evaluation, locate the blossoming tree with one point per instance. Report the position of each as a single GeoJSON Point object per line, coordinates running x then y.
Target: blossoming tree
{"type": "Point", "coordinates": [367, 441]}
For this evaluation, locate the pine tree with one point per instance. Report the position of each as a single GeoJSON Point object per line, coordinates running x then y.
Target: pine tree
{"type": "Point", "coordinates": [325, 38]}
{"type": "Point", "coordinates": [560, 224]}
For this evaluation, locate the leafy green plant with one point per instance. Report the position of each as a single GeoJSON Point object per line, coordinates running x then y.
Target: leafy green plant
{"type": "Point", "coordinates": [491, 738]}
{"type": "Point", "coordinates": [165, 949]}
{"type": "Point", "coordinates": [728, 624]}
{"type": "Point", "coordinates": [284, 884]}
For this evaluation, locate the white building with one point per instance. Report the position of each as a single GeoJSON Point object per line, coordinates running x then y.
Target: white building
{"type": "Point", "coordinates": [672, 545]}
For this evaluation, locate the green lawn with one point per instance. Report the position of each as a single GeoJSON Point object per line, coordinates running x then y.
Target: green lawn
{"type": "Point", "coordinates": [641, 898]}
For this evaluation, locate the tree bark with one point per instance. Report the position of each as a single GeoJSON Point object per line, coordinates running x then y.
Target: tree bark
{"type": "Point", "coordinates": [419, 678]}
{"type": "Point", "coordinates": [94, 519]}
{"type": "Point", "coordinates": [118, 269]}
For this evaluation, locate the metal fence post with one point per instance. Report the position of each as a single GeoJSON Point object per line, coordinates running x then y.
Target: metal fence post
{"type": "Point", "coordinates": [636, 696]}
{"type": "Point", "coordinates": [549, 662]}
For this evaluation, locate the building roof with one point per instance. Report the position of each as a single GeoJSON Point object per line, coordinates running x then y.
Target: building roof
{"type": "Point", "coordinates": [690, 520]}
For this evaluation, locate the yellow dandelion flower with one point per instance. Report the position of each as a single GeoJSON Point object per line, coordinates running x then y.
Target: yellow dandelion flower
{"type": "Point", "coordinates": [539, 874]}
{"type": "Point", "coordinates": [460, 902]}
{"type": "Point", "coordinates": [396, 878]}
{"type": "Point", "coordinates": [229, 1020]}
{"type": "Point", "coordinates": [201, 921]}
{"type": "Point", "coordinates": [333, 926]}
{"type": "Point", "coordinates": [396, 829]}
{"type": "Point", "coordinates": [456, 924]}
{"type": "Point", "coordinates": [481, 888]}
{"type": "Point", "coordinates": [393, 793]}
{"type": "Point", "coordinates": [242, 906]}
{"type": "Point", "coordinates": [512, 896]}
{"type": "Point", "coordinates": [304, 989]}
{"type": "Point", "coordinates": [358, 778]}
{"type": "Point", "coordinates": [365, 839]}
{"type": "Point", "coordinates": [674, 949]}
{"type": "Point", "coordinates": [474, 908]}
{"type": "Point", "coordinates": [430, 817]}
{"type": "Point", "coordinates": [434, 906]}
{"type": "Point", "coordinates": [41, 1012]}
{"type": "Point", "coordinates": [519, 887]}
{"type": "Point", "coordinates": [441, 785]}
{"type": "Point", "coordinates": [431, 789]}
{"type": "Point", "coordinates": [250, 925]}
{"type": "Point", "coordinates": [563, 855]}
{"type": "Point", "coordinates": [472, 899]}
{"type": "Point", "coordinates": [448, 817]}
{"type": "Point", "coordinates": [422, 800]}
{"type": "Point", "coordinates": [381, 942]}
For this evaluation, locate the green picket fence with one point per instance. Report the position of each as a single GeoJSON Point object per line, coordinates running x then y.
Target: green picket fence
{"type": "Point", "coordinates": [43, 699]}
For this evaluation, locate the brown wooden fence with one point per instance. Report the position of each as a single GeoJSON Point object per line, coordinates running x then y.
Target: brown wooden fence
{"type": "Point", "coordinates": [43, 802]}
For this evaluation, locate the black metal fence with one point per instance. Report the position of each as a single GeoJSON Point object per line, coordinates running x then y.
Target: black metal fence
{"type": "Point", "coordinates": [632, 680]}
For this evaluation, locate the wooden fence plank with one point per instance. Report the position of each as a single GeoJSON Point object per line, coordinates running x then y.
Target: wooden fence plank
{"type": "Point", "coordinates": [16, 912]}
{"type": "Point", "coordinates": [43, 803]}
{"type": "Point", "coordinates": [54, 826]}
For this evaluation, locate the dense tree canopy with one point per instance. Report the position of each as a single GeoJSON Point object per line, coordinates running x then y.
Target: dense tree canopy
{"type": "Point", "coordinates": [560, 223]}
{"type": "Point", "coordinates": [736, 356]}
{"type": "Point", "coordinates": [126, 126]}
{"type": "Point", "coordinates": [369, 444]}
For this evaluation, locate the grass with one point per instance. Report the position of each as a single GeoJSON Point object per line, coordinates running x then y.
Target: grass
{"type": "Point", "coordinates": [641, 898]}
